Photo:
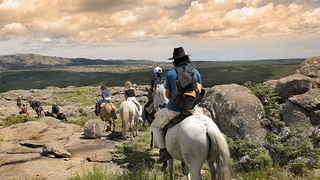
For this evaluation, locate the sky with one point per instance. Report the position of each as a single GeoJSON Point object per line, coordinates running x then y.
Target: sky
{"type": "Point", "coordinates": [209, 30]}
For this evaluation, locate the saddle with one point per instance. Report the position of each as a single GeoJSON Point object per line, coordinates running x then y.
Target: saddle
{"type": "Point", "coordinates": [105, 101]}
{"type": "Point", "coordinates": [176, 120]}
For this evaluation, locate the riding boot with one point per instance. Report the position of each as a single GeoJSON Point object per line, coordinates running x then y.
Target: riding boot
{"type": "Point", "coordinates": [96, 112]}
{"type": "Point", "coordinates": [163, 156]}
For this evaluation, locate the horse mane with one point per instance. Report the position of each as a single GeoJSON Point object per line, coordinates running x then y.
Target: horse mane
{"type": "Point", "coordinates": [159, 97]}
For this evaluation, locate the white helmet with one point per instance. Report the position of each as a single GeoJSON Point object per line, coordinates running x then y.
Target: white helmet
{"type": "Point", "coordinates": [157, 70]}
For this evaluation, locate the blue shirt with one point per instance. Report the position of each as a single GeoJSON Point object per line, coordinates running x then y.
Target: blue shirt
{"type": "Point", "coordinates": [171, 77]}
{"type": "Point", "coordinates": [106, 93]}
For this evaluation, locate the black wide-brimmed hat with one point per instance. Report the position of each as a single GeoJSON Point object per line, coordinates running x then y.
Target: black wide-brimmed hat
{"type": "Point", "coordinates": [178, 53]}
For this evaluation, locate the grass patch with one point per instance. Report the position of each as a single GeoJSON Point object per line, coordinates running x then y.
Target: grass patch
{"type": "Point", "coordinates": [8, 121]}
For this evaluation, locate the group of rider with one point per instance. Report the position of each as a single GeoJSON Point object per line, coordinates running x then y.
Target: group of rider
{"type": "Point", "coordinates": [36, 104]}
{"type": "Point", "coordinates": [180, 60]}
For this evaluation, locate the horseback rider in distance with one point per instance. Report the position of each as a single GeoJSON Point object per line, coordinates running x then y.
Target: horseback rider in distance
{"type": "Point", "coordinates": [158, 79]}
{"type": "Point", "coordinates": [105, 96]}
{"type": "Point", "coordinates": [180, 60]}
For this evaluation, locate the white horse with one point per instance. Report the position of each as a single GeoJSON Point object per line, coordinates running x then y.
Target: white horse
{"type": "Point", "coordinates": [195, 140]}
{"type": "Point", "coordinates": [158, 98]}
{"type": "Point", "coordinates": [129, 117]}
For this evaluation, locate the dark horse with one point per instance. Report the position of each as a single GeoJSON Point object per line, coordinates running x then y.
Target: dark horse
{"type": "Point", "coordinates": [37, 109]}
{"type": "Point", "coordinates": [59, 116]}
{"type": "Point", "coordinates": [19, 102]}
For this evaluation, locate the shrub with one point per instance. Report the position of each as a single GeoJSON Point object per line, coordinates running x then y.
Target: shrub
{"type": "Point", "coordinates": [8, 121]}
{"type": "Point", "coordinates": [250, 156]}
{"type": "Point", "coordinates": [270, 100]}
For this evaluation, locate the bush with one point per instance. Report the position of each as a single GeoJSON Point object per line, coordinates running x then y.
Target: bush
{"type": "Point", "coordinates": [16, 119]}
{"type": "Point", "coordinates": [270, 100]}
{"type": "Point", "coordinates": [249, 155]}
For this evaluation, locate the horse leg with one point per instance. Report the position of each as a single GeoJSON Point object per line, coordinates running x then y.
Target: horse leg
{"type": "Point", "coordinates": [185, 170]}
{"type": "Point", "coordinates": [151, 141]}
{"type": "Point", "coordinates": [193, 165]}
{"type": "Point", "coordinates": [171, 168]}
{"type": "Point", "coordinates": [195, 174]}
{"type": "Point", "coordinates": [113, 124]}
{"type": "Point", "coordinates": [136, 126]}
{"type": "Point", "coordinates": [212, 168]}
{"type": "Point", "coordinates": [131, 131]}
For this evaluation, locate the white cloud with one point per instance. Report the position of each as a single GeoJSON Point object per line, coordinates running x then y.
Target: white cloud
{"type": "Point", "coordinates": [46, 40]}
{"type": "Point", "coordinates": [14, 28]}
{"type": "Point", "coordinates": [103, 21]}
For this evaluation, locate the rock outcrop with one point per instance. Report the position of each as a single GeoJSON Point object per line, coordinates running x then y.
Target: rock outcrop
{"type": "Point", "coordinates": [238, 112]}
{"type": "Point", "coordinates": [301, 94]}
{"type": "Point", "coordinates": [310, 67]}
{"type": "Point", "coordinates": [48, 148]}
{"type": "Point", "coordinates": [293, 84]}
{"type": "Point", "coordinates": [95, 128]}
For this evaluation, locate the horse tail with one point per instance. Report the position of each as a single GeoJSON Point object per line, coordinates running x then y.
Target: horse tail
{"type": "Point", "coordinates": [113, 111]}
{"type": "Point", "coordinates": [219, 153]}
{"type": "Point", "coordinates": [124, 113]}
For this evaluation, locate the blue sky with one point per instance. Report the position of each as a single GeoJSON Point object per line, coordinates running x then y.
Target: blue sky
{"type": "Point", "coordinates": [211, 30]}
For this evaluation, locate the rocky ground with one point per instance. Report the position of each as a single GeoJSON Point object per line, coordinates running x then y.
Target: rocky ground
{"type": "Point", "coordinates": [22, 154]}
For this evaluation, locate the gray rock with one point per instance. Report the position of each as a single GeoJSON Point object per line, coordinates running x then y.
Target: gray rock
{"type": "Point", "coordinates": [302, 110]}
{"type": "Point", "coordinates": [293, 85]}
{"type": "Point", "coordinates": [310, 67]}
{"type": "Point", "coordinates": [95, 128]}
{"type": "Point", "coordinates": [238, 113]}
{"type": "Point", "coordinates": [55, 150]}
{"type": "Point", "coordinates": [294, 115]}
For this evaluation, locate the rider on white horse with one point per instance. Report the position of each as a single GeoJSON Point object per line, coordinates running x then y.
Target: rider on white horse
{"type": "Point", "coordinates": [171, 111]}
{"type": "Point", "coordinates": [130, 95]}
{"type": "Point", "coordinates": [158, 79]}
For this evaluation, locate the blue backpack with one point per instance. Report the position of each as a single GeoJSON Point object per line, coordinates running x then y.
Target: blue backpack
{"type": "Point", "coordinates": [38, 103]}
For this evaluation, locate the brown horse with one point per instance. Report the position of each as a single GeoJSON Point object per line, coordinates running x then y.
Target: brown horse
{"type": "Point", "coordinates": [108, 111]}
{"type": "Point", "coordinates": [19, 102]}
{"type": "Point", "coordinates": [37, 109]}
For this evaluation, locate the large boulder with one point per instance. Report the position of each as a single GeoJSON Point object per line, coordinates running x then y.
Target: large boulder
{"type": "Point", "coordinates": [303, 110]}
{"type": "Point", "coordinates": [238, 112]}
{"type": "Point", "coordinates": [23, 131]}
{"type": "Point", "coordinates": [293, 85]}
{"type": "Point", "coordinates": [95, 128]}
{"type": "Point", "coordinates": [55, 150]}
{"type": "Point", "coordinates": [310, 67]}
{"type": "Point", "coordinates": [295, 116]}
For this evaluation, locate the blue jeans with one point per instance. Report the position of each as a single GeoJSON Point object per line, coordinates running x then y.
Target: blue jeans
{"type": "Point", "coordinates": [98, 106]}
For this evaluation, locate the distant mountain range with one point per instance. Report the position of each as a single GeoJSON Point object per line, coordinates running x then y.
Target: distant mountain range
{"type": "Point", "coordinates": [34, 61]}
{"type": "Point", "coordinates": [31, 61]}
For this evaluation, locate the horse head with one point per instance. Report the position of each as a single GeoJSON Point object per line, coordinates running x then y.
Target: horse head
{"type": "Point", "coordinates": [159, 97]}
